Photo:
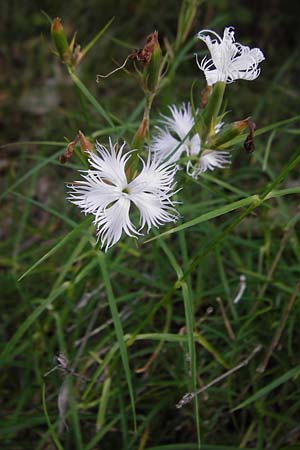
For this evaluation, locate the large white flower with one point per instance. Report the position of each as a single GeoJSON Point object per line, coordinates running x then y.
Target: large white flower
{"type": "Point", "coordinates": [173, 141]}
{"type": "Point", "coordinates": [106, 193]}
{"type": "Point", "coordinates": [229, 60]}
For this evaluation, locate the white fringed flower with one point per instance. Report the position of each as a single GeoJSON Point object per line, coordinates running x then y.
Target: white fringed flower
{"type": "Point", "coordinates": [174, 136]}
{"type": "Point", "coordinates": [229, 60]}
{"type": "Point", "coordinates": [209, 160]}
{"type": "Point", "coordinates": [106, 193]}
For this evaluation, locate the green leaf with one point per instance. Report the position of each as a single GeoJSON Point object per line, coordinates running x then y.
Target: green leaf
{"type": "Point", "coordinates": [260, 131]}
{"type": "Point", "coordinates": [29, 321]}
{"type": "Point", "coordinates": [295, 372]}
{"type": "Point", "coordinates": [195, 447]}
{"type": "Point", "coordinates": [103, 403]}
{"type": "Point", "coordinates": [99, 109]}
{"type": "Point", "coordinates": [189, 320]}
{"type": "Point", "coordinates": [87, 48]}
{"type": "Point", "coordinates": [77, 230]}
{"type": "Point", "coordinates": [119, 330]}
{"type": "Point", "coordinates": [50, 426]}
{"type": "Point", "coordinates": [30, 173]}
{"type": "Point", "coordinates": [209, 215]}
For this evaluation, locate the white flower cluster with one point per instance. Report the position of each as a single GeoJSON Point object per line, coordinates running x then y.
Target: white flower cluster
{"type": "Point", "coordinates": [107, 192]}
{"type": "Point", "coordinates": [173, 141]}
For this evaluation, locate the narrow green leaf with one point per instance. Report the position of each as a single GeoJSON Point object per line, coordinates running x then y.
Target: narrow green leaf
{"type": "Point", "coordinates": [189, 320]}
{"type": "Point", "coordinates": [87, 48]}
{"type": "Point", "coordinates": [195, 447]}
{"type": "Point", "coordinates": [50, 426]}
{"type": "Point", "coordinates": [29, 321]}
{"type": "Point", "coordinates": [30, 172]}
{"type": "Point", "coordinates": [100, 110]}
{"type": "Point", "coordinates": [209, 215]}
{"type": "Point", "coordinates": [260, 131]}
{"type": "Point", "coordinates": [60, 244]}
{"type": "Point", "coordinates": [102, 404]}
{"type": "Point", "coordinates": [47, 208]}
{"type": "Point", "coordinates": [295, 372]}
{"type": "Point", "coordinates": [119, 330]}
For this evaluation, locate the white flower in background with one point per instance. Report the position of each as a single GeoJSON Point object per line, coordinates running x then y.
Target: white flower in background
{"type": "Point", "coordinates": [174, 135]}
{"type": "Point", "coordinates": [229, 60]}
{"type": "Point", "coordinates": [106, 193]}
{"type": "Point", "coordinates": [209, 160]}
{"type": "Point", "coordinates": [172, 142]}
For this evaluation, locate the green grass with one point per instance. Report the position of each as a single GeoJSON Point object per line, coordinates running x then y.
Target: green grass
{"type": "Point", "coordinates": [141, 325]}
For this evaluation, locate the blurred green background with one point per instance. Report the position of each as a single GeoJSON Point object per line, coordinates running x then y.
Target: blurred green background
{"type": "Point", "coordinates": [38, 101]}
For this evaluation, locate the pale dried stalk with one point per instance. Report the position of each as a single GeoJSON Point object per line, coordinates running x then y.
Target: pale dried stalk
{"type": "Point", "coordinates": [279, 330]}
{"type": "Point", "coordinates": [187, 398]}
{"type": "Point", "coordinates": [226, 320]}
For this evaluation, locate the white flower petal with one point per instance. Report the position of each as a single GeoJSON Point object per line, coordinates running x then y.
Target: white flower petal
{"type": "Point", "coordinates": [110, 164]}
{"type": "Point", "coordinates": [93, 194]}
{"type": "Point", "coordinates": [164, 144]}
{"type": "Point", "coordinates": [155, 178]}
{"type": "Point", "coordinates": [182, 120]}
{"type": "Point", "coordinates": [112, 221]}
{"type": "Point", "coordinates": [210, 160]}
{"type": "Point", "coordinates": [177, 128]}
{"type": "Point", "coordinates": [229, 60]}
{"type": "Point", "coordinates": [194, 145]}
{"type": "Point", "coordinates": [154, 210]}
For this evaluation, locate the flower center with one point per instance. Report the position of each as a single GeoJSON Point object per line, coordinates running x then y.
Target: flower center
{"type": "Point", "coordinates": [125, 191]}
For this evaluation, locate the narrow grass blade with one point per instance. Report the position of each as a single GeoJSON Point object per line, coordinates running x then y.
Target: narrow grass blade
{"type": "Point", "coordinates": [103, 404]}
{"type": "Point", "coordinates": [119, 331]}
{"type": "Point", "coordinates": [209, 215]}
{"type": "Point", "coordinates": [30, 172]}
{"type": "Point", "coordinates": [100, 110]}
{"type": "Point", "coordinates": [61, 243]}
{"type": "Point", "coordinates": [47, 208]}
{"type": "Point", "coordinates": [295, 372]}
{"type": "Point", "coordinates": [189, 320]}
{"type": "Point", "coordinates": [260, 131]}
{"type": "Point", "coordinates": [88, 47]}
{"type": "Point", "coordinates": [195, 447]}
{"type": "Point", "coordinates": [29, 321]}
{"type": "Point", "coordinates": [50, 426]}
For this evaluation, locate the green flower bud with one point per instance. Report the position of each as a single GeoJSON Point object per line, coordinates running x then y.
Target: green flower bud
{"type": "Point", "coordinates": [151, 74]}
{"type": "Point", "coordinates": [60, 41]}
{"type": "Point", "coordinates": [141, 134]}
{"type": "Point", "coordinates": [229, 132]}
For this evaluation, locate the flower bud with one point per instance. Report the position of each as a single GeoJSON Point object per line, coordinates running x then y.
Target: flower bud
{"type": "Point", "coordinates": [141, 134]}
{"type": "Point", "coordinates": [60, 41]}
{"type": "Point", "coordinates": [85, 144]}
{"type": "Point", "coordinates": [205, 94]}
{"type": "Point", "coordinates": [229, 132]}
{"type": "Point", "coordinates": [211, 111]}
{"type": "Point", "coordinates": [68, 152]}
{"type": "Point", "coordinates": [249, 141]}
{"type": "Point", "coordinates": [151, 74]}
